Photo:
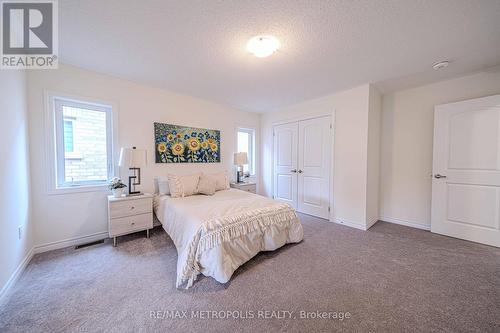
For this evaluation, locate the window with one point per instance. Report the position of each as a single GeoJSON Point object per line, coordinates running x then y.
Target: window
{"type": "Point", "coordinates": [83, 143]}
{"type": "Point", "coordinates": [246, 143]}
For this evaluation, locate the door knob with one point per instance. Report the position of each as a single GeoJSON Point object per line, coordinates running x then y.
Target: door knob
{"type": "Point", "coordinates": [300, 171]}
{"type": "Point", "coordinates": [438, 176]}
{"type": "Point", "coordinates": [294, 170]}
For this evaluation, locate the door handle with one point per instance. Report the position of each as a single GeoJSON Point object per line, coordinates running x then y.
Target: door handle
{"type": "Point", "coordinates": [438, 176]}
{"type": "Point", "coordinates": [294, 170]}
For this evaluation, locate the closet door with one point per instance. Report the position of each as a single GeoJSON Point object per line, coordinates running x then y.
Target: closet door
{"type": "Point", "coordinates": [314, 167]}
{"type": "Point", "coordinates": [285, 163]}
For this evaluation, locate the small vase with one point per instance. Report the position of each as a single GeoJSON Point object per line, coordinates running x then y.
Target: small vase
{"type": "Point", "coordinates": [118, 192]}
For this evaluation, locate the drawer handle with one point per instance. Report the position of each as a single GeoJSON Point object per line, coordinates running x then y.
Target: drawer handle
{"type": "Point", "coordinates": [132, 207]}
{"type": "Point", "coordinates": [133, 223]}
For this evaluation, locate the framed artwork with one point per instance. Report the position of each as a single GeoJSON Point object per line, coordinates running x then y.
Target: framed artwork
{"type": "Point", "coordinates": [181, 144]}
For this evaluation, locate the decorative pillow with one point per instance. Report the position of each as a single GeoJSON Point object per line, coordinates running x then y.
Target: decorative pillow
{"type": "Point", "coordinates": [183, 186]}
{"type": "Point", "coordinates": [161, 186]}
{"type": "Point", "coordinates": [206, 185]}
{"type": "Point", "coordinates": [221, 181]}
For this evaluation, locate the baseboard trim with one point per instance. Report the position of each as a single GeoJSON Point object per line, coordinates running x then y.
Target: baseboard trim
{"type": "Point", "coordinates": [405, 223]}
{"type": "Point", "coordinates": [70, 242]}
{"type": "Point", "coordinates": [16, 274]}
{"type": "Point", "coordinates": [350, 224]}
{"type": "Point", "coordinates": [371, 223]}
{"type": "Point", "coordinates": [44, 248]}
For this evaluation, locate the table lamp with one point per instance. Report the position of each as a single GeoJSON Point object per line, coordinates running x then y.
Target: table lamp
{"type": "Point", "coordinates": [240, 159]}
{"type": "Point", "coordinates": [134, 159]}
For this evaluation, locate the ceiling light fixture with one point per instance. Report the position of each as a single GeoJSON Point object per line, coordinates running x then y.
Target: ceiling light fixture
{"type": "Point", "coordinates": [263, 46]}
{"type": "Point", "coordinates": [441, 65]}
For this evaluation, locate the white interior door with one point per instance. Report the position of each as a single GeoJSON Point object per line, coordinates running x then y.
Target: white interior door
{"type": "Point", "coordinates": [314, 167]}
{"type": "Point", "coordinates": [466, 170]}
{"type": "Point", "coordinates": [285, 163]}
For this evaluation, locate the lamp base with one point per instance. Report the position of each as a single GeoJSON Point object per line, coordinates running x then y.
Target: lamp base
{"type": "Point", "coordinates": [239, 176]}
{"type": "Point", "coordinates": [133, 181]}
{"type": "Point", "coordinates": [134, 194]}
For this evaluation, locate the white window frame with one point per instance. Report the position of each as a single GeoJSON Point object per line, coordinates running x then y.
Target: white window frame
{"type": "Point", "coordinates": [53, 120]}
{"type": "Point", "coordinates": [251, 132]}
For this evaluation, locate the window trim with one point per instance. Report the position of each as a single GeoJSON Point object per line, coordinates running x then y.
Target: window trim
{"type": "Point", "coordinates": [51, 163]}
{"type": "Point", "coordinates": [252, 133]}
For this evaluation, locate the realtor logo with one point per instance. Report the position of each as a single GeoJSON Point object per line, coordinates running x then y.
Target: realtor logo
{"type": "Point", "coordinates": [29, 34]}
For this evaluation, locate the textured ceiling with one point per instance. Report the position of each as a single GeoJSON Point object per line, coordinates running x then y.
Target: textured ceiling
{"type": "Point", "coordinates": [198, 47]}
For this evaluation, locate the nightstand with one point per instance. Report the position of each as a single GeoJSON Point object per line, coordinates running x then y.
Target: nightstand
{"type": "Point", "coordinates": [247, 187]}
{"type": "Point", "coordinates": [129, 214]}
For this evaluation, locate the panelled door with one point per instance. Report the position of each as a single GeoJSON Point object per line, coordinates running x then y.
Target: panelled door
{"type": "Point", "coordinates": [314, 167]}
{"type": "Point", "coordinates": [466, 170]}
{"type": "Point", "coordinates": [302, 165]}
{"type": "Point", "coordinates": [285, 163]}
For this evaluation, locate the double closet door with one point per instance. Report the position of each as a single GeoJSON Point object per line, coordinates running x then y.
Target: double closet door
{"type": "Point", "coordinates": [302, 159]}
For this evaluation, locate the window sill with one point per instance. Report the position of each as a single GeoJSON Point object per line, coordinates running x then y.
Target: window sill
{"type": "Point", "coordinates": [78, 189]}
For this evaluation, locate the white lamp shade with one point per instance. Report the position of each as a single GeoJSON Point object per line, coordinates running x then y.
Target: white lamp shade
{"type": "Point", "coordinates": [240, 158]}
{"type": "Point", "coordinates": [133, 158]}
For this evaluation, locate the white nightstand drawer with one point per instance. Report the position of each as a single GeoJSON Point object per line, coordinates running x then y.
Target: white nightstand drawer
{"type": "Point", "coordinates": [130, 207]}
{"type": "Point", "coordinates": [249, 188]}
{"type": "Point", "coordinates": [128, 224]}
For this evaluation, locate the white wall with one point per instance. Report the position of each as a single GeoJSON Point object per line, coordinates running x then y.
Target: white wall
{"type": "Point", "coordinates": [70, 216]}
{"type": "Point", "coordinates": [14, 177]}
{"type": "Point", "coordinates": [406, 144]}
{"type": "Point", "coordinates": [373, 170]}
{"type": "Point", "coordinates": [350, 149]}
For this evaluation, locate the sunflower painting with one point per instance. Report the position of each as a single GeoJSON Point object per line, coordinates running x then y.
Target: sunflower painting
{"type": "Point", "coordinates": [180, 144]}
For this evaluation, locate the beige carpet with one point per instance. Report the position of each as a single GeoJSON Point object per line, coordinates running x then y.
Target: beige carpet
{"type": "Point", "coordinates": [390, 278]}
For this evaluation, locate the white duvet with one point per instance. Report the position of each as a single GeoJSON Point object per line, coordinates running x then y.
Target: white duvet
{"type": "Point", "coordinates": [214, 235]}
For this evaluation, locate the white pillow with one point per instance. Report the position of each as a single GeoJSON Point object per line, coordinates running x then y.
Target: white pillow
{"type": "Point", "coordinates": [183, 186]}
{"type": "Point", "coordinates": [221, 181]}
{"type": "Point", "coordinates": [206, 185]}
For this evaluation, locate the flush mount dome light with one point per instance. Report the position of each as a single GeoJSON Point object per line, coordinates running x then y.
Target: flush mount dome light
{"type": "Point", "coordinates": [263, 46]}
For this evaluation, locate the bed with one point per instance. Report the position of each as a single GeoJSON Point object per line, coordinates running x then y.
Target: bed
{"type": "Point", "coordinates": [214, 235]}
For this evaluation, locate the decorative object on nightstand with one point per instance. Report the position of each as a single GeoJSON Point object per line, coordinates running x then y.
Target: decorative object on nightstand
{"type": "Point", "coordinates": [117, 187]}
{"type": "Point", "coordinates": [134, 159]}
{"type": "Point", "coordinates": [240, 159]}
{"type": "Point", "coordinates": [247, 187]}
{"type": "Point", "coordinates": [129, 214]}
